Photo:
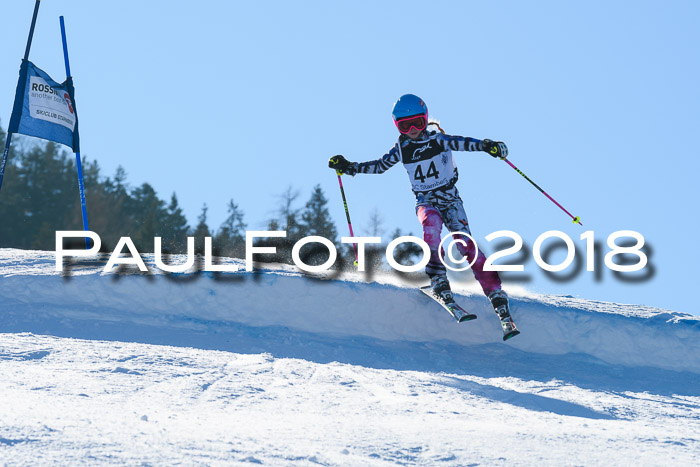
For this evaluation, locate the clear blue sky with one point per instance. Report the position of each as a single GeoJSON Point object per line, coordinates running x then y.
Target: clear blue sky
{"type": "Point", "coordinates": [597, 101]}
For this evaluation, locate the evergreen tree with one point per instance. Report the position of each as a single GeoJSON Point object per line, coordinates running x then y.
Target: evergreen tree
{"type": "Point", "coordinates": [175, 228]}
{"type": "Point", "coordinates": [40, 196]}
{"type": "Point", "coordinates": [316, 220]}
{"type": "Point", "coordinates": [374, 253]}
{"type": "Point", "coordinates": [273, 225]}
{"type": "Point", "coordinates": [231, 235]}
{"type": "Point", "coordinates": [376, 223]}
{"type": "Point", "coordinates": [284, 250]}
{"type": "Point", "coordinates": [406, 253]}
{"type": "Point", "coordinates": [12, 200]}
{"type": "Point", "coordinates": [150, 215]}
{"type": "Point", "coordinates": [40, 189]}
{"type": "Point", "coordinates": [108, 205]}
{"type": "Point", "coordinates": [289, 215]}
{"type": "Point", "coordinates": [201, 231]}
{"type": "Point", "coordinates": [120, 185]}
{"type": "Point", "coordinates": [289, 222]}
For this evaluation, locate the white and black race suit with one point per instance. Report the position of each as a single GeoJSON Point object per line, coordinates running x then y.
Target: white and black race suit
{"type": "Point", "coordinates": [429, 164]}
{"type": "Point", "coordinates": [433, 175]}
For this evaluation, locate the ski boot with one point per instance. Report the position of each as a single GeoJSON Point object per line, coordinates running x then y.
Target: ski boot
{"type": "Point", "coordinates": [499, 300]}
{"type": "Point", "coordinates": [441, 288]}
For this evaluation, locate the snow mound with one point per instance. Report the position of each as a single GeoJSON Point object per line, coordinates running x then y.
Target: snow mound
{"type": "Point", "coordinates": [277, 305]}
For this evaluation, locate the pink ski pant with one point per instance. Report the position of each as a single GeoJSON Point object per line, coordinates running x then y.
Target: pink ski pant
{"type": "Point", "coordinates": [455, 219]}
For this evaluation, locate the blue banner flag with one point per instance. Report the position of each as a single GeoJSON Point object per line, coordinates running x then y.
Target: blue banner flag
{"type": "Point", "coordinates": [44, 108]}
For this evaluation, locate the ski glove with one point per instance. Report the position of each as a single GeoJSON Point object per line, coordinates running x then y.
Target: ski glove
{"type": "Point", "coordinates": [497, 149]}
{"type": "Point", "coordinates": [342, 165]}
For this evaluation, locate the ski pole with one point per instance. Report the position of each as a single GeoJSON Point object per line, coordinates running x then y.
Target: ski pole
{"type": "Point", "coordinates": [79, 165]}
{"type": "Point", "coordinates": [347, 213]}
{"type": "Point", "coordinates": [19, 95]}
{"type": "Point", "coordinates": [577, 219]}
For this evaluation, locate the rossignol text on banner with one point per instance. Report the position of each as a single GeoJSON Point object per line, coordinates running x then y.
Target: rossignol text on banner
{"type": "Point", "coordinates": [45, 108]}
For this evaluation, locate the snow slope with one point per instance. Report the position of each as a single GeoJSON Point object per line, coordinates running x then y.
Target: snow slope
{"type": "Point", "coordinates": [274, 367]}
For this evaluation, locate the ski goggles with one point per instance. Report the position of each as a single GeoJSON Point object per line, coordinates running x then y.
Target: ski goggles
{"type": "Point", "coordinates": [419, 122]}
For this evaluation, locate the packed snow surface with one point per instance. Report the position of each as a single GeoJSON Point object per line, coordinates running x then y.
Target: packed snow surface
{"type": "Point", "coordinates": [278, 368]}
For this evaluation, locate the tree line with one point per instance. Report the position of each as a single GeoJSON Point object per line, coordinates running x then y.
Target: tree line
{"type": "Point", "coordinates": [39, 196]}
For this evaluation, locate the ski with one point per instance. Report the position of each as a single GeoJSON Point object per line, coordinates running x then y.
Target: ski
{"type": "Point", "coordinates": [457, 312]}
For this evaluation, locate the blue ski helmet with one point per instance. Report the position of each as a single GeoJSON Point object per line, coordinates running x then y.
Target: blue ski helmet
{"type": "Point", "coordinates": [409, 105]}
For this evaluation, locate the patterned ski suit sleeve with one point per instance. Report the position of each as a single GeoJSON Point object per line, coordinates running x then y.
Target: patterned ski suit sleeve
{"type": "Point", "coordinates": [460, 143]}
{"type": "Point", "coordinates": [382, 164]}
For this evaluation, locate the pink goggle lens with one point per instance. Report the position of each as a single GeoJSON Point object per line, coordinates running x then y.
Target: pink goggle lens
{"type": "Point", "coordinates": [419, 122]}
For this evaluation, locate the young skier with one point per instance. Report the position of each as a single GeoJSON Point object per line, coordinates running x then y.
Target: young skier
{"type": "Point", "coordinates": [427, 157]}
